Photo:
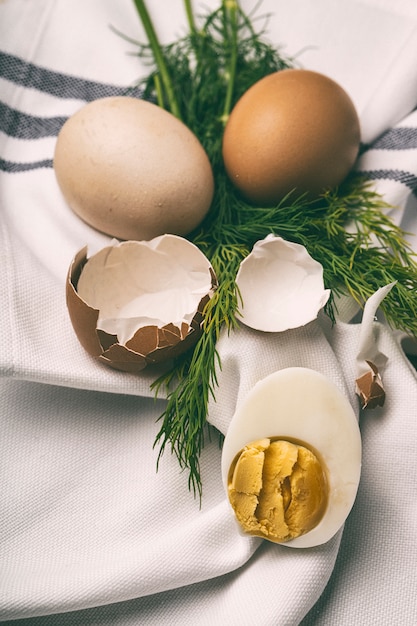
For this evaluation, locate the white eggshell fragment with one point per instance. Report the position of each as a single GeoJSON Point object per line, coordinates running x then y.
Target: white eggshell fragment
{"type": "Point", "coordinates": [303, 406]}
{"type": "Point", "coordinates": [139, 302]}
{"type": "Point", "coordinates": [281, 286]}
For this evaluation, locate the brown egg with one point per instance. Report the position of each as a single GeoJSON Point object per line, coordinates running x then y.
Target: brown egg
{"type": "Point", "coordinates": [132, 170]}
{"type": "Point", "coordinates": [294, 129]}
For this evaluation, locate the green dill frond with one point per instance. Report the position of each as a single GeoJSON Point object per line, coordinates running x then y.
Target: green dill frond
{"type": "Point", "coordinates": [199, 78]}
{"type": "Point", "coordinates": [210, 68]}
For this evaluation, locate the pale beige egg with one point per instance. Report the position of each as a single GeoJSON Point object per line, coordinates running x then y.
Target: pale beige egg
{"type": "Point", "coordinates": [132, 170]}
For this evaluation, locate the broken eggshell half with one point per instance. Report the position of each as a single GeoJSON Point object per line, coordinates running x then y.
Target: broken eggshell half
{"type": "Point", "coordinates": [137, 303]}
{"type": "Point", "coordinates": [280, 285]}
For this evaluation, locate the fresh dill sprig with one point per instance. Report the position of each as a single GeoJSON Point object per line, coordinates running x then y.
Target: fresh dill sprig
{"type": "Point", "coordinates": [213, 65]}
{"type": "Point", "coordinates": [184, 421]}
{"type": "Point", "coordinates": [199, 78]}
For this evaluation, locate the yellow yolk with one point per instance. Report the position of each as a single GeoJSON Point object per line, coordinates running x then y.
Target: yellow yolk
{"type": "Point", "coordinates": [278, 489]}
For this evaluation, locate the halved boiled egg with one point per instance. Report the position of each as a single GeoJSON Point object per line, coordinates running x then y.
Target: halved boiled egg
{"type": "Point", "coordinates": [291, 459]}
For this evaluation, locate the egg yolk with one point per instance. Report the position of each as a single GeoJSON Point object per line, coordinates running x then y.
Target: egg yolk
{"type": "Point", "coordinates": [278, 489]}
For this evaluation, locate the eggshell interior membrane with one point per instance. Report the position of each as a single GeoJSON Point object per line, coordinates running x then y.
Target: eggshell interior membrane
{"type": "Point", "coordinates": [301, 405]}
{"type": "Point", "coordinates": [132, 170]}
{"type": "Point", "coordinates": [134, 303]}
{"type": "Point", "coordinates": [292, 130]}
{"type": "Point", "coordinates": [280, 285]}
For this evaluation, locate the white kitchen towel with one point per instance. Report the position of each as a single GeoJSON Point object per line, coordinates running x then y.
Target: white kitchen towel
{"type": "Point", "coordinates": [90, 532]}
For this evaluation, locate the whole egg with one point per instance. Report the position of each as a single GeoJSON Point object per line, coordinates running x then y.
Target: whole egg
{"type": "Point", "coordinates": [132, 170]}
{"type": "Point", "coordinates": [294, 130]}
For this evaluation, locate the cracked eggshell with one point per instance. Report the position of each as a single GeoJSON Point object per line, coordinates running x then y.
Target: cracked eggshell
{"type": "Point", "coordinates": [281, 286]}
{"type": "Point", "coordinates": [137, 303]}
{"type": "Point", "coordinates": [132, 170]}
{"type": "Point", "coordinates": [302, 405]}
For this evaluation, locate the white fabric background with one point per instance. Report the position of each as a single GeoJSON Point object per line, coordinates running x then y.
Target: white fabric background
{"type": "Point", "coordinates": [89, 532]}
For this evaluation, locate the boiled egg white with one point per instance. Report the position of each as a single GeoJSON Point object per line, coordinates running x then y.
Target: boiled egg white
{"type": "Point", "coordinates": [303, 407]}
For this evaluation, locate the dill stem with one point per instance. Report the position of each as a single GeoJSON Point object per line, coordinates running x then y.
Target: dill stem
{"type": "Point", "coordinates": [230, 12]}
{"type": "Point", "coordinates": [158, 90]}
{"type": "Point", "coordinates": [190, 16]}
{"type": "Point", "coordinates": [158, 56]}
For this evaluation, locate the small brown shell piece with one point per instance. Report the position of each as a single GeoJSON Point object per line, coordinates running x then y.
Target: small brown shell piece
{"type": "Point", "coordinates": [150, 343]}
{"type": "Point", "coordinates": [370, 389]}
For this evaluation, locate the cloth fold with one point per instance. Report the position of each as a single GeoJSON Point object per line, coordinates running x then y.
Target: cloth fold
{"type": "Point", "coordinates": [91, 533]}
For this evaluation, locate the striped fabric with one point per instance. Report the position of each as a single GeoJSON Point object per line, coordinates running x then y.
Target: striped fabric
{"type": "Point", "coordinates": [16, 124]}
{"type": "Point", "coordinates": [90, 533]}
{"type": "Point", "coordinates": [392, 157]}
